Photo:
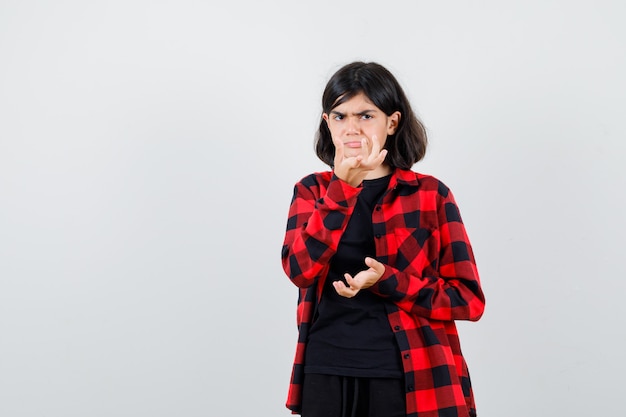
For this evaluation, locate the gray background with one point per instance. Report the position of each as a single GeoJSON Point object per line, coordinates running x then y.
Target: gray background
{"type": "Point", "coordinates": [148, 151]}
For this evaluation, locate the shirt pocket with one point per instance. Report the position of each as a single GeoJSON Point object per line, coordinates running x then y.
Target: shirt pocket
{"type": "Point", "coordinates": [414, 248]}
{"type": "Point", "coordinates": [417, 250]}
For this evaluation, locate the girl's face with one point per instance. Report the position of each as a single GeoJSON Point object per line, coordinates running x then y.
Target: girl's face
{"type": "Point", "coordinates": [359, 118]}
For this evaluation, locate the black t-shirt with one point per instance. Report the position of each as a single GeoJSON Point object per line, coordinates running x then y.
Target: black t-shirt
{"type": "Point", "coordinates": [352, 336]}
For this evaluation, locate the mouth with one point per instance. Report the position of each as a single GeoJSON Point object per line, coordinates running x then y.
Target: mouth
{"type": "Point", "coordinates": [353, 144]}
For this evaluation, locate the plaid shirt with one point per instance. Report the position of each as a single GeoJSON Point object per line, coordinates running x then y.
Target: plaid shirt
{"type": "Point", "coordinates": [430, 278]}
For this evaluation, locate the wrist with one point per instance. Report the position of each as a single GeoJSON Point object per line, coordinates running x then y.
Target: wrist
{"type": "Point", "coordinates": [353, 182]}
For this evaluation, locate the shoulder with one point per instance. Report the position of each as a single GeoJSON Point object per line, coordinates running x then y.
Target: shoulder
{"type": "Point", "coordinates": [316, 179]}
{"type": "Point", "coordinates": [313, 185]}
{"type": "Point", "coordinates": [426, 183]}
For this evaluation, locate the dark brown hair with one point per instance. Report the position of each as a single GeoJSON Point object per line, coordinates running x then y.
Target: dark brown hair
{"type": "Point", "coordinates": [407, 145]}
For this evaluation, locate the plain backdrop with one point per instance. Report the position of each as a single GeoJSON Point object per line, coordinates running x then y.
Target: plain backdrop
{"type": "Point", "coordinates": [148, 152]}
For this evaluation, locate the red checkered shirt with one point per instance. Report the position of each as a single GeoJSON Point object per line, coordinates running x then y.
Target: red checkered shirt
{"type": "Point", "coordinates": [430, 279]}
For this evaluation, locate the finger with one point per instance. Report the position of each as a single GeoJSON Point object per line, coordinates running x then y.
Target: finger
{"type": "Point", "coordinates": [338, 149]}
{"type": "Point", "coordinates": [351, 162]}
{"type": "Point", "coordinates": [375, 145]}
{"type": "Point", "coordinates": [344, 291]}
{"type": "Point", "coordinates": [375, 155]}
{"type": "Point", "coordinates": [377, 150]}
{"type": "Point", "coordinates": [375, 265]}
{"type": "Point", "coordinates": [365, 146]}
{"type": "Point", "coordinates": [376, 160]}
{"type": "Point", "coordinates": [373, 150]}
{"type": "Point", "coordinates": [352, 283]}
{"type": "Point", "coordinates": [339, 285]}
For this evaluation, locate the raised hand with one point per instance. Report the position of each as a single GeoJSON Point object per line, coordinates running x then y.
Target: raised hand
{"type": "Point", "coordinates": [354, 169]}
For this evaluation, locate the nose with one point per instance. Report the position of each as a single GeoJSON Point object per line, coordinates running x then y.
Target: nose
{"type": "Point", "coordinates": [353, 125]}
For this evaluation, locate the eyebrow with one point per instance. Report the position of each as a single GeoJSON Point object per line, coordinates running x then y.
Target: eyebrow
{"type": "Point", "coordinates": [361, 113]}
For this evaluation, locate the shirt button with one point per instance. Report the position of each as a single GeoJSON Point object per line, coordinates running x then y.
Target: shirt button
{"type": "Point", "coordinates": [396, 327]}
{"type": "Point", "coordinates": [407, 356]}
{"type": "Point", "coordinates": [378, 236]}
{"type": "Point", "coordinates": [409, 388]}
{"type": "Point", "coordinates": [378, 208]}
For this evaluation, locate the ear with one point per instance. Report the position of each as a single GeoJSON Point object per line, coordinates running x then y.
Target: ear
{"type": "Point", "coordinates": [325, 117]}
{"type": "Point", "coordinates": [393, 121]}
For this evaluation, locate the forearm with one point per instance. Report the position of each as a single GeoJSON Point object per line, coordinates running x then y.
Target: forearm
{"type": "Point", "coordinates": [435, 297]}
{"type": "Point", "coordinates": [314, 229]}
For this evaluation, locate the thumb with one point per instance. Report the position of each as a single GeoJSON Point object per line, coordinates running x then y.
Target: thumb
{"type": "Point", "coordinates": [375, 265]}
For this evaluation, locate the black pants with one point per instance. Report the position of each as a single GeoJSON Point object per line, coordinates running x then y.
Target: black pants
{"type": "Point", "coordinates": [342, 396]}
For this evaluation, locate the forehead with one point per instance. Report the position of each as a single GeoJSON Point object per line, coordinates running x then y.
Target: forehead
{"type": "Point", "coordinates": [358, 102]}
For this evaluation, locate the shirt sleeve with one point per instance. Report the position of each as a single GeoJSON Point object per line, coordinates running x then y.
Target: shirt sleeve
{"type": "Point", "coordinates": [449, 291]}
{"type": "Point", "coordinates": [317, 219]}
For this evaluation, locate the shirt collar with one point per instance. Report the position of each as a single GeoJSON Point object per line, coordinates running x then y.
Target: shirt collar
{"type": "Point", "coordinates": [405, 177]}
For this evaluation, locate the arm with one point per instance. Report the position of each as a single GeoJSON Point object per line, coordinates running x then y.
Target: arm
{"type": "Point", "coordinates": [317, 218]}
{"type": "Point", "coordinates": [449, 291]}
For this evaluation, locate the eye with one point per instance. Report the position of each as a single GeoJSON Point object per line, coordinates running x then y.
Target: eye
{"type": "Point", "coordinates": [366, 116]}
{"type": "Point", "coordinates": [338, 116]}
